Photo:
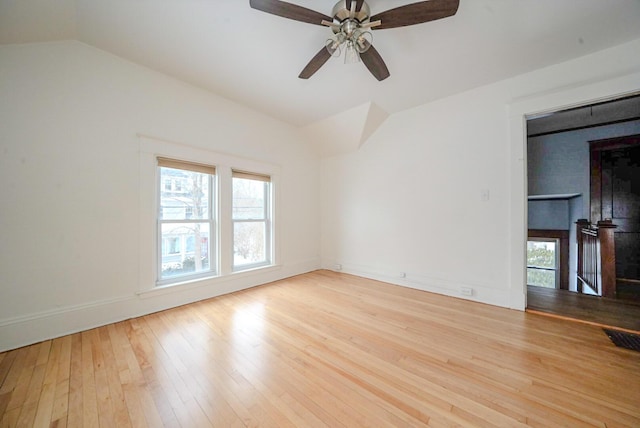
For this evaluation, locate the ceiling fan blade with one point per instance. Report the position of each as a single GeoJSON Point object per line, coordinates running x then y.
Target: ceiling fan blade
{"type": "Point", "coordinates": [374, 62]}
{"type": "Point", "coordinates": [359, 4]}
{"type": "Point", "coordinates": [416, 13]}
{"type": "Point", "coordinates": [316, 62]}
{"type": "Point", "coordinates": [288, 10]}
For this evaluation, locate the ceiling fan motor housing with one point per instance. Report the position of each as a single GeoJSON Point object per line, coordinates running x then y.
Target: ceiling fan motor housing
{"type": "Point", "coordinates": [341, 13]}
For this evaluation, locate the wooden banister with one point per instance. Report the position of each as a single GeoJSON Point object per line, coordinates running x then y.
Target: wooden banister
{"type": "Point", "coordinates": [596, 268]}
{"type": "Point", "coordinates": [606, 231]}
{"type": "Point", "coordinates": [580, 226]}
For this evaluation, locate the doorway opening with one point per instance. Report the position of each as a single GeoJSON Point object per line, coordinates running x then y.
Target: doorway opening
{"type": "Point", "coordinates": [560, 185]}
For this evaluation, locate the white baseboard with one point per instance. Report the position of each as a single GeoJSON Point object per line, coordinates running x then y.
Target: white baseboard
{"type": "Point", "coordinates": [480, 292]}
{"type": "Point", "coordinates": [33, 328]}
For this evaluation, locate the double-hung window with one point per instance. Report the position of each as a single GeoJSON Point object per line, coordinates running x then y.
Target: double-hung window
{"type": "Point", "coordinates": [251, 217]}
{"type": "Point", "coordinates": [543, 257]}
{"type": "Point", "coordinates": [186, 221]}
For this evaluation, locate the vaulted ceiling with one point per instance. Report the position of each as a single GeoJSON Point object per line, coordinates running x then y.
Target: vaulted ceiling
{"type": "Point", "coordinates": [254, 58]}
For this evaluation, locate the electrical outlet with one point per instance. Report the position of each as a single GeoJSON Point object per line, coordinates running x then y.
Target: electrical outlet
{"type": "Point", "coordinates": [485, 195]}
{"type": "Point", "coordinates": [403, 275]}
{"type": "Point", "coordinates": [338, 266]}
{"type": "Point", "coordinates": [466, 291]}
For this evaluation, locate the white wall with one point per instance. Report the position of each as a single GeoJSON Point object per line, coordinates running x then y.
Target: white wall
{"type": "Point", "coordinates": [70, 202]}
{"type": "Point", "coordinates": [411, 199]}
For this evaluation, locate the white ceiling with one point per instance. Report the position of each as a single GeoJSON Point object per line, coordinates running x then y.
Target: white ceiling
{"type": "Point", "coordinates": [254, 58]}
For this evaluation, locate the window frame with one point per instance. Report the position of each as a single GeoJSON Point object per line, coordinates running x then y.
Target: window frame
{"type": "Point", "coordinates": [211, 220]}
{"type": "Point", "coordinates": [556, 268]}
{"type": "Point", "coordinates": [563, 236]}
{"type": "Point", "coordinates": [150, 148]}
{"type": "Point", "coordinates": [267, 215]}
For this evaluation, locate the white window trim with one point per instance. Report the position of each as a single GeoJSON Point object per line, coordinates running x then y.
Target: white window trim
{"type": "Point", "coordinates": [150, 148]}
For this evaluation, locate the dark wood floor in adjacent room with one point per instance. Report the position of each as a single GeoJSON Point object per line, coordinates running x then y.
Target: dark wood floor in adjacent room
{"type": "Point", "coordinates": [325, 349]}
{"type": "Point", "coordinates": [613, 313]}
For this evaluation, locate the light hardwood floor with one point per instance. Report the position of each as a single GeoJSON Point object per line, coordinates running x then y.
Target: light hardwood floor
{"type": "Point", "coordinates": [325, 349]}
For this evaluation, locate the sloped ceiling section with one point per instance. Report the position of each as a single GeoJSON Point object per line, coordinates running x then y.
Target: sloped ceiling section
{"type": "Point", "coordinates": [254, 58]}
{"type": "Point", "coordinates": [375, 119]}
{"type": "Point", "coordinates": [26, 21]}
{"type": "Point", "coordinates": [347, 131]}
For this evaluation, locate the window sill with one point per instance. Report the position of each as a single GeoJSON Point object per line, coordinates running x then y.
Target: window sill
{"type": "Point", "coordinates": [205, 282]}
{"type": "Point", "coordinates": [250, 268]}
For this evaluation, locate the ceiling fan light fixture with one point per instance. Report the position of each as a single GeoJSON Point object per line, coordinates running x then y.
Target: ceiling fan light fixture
{"type": "Point", "coordinates": [333, 47]}
{"type": "Point", "coordinates": [358, 42]}
{"type": "Point", "coordinates": [351, 55]}
{"type": "Point", "coordinates": [363, 41]}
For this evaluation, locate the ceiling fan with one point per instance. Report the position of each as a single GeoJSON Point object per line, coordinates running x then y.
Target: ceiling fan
{"type": "Point", "coordinates": [351, 21]}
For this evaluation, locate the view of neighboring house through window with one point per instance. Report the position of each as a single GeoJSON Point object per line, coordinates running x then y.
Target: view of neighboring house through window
{"type": "Point", "coordinates": [543, 262]}
{"type": "Point", "coordinates": [186, 228]}
{"type": "Point", "coordinates": [251, 220]}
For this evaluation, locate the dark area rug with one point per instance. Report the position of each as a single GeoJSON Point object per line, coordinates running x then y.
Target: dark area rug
{"type": "Point", "coordinates": [624, 340]}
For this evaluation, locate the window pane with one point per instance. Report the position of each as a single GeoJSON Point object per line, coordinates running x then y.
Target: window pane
{"type": "Point", "coordinates": [541, 254]}
{"type": "Point", "coordinates": [249, 243]}
{"type": "Point", "coordinates": [541, 278]}
{"type": "Point", "coordinates": [185, 194]}
{"type": "Point", "coordinates": [184, 248]}
{"type": "Point", "coordinates": [249, 199]}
